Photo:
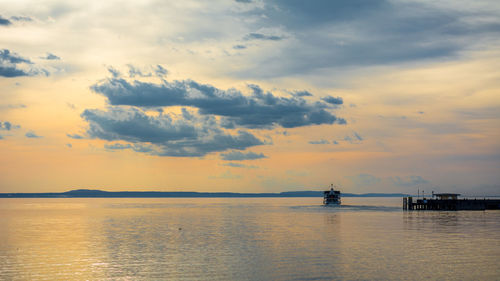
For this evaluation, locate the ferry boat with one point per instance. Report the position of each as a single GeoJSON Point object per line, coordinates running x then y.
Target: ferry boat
{"type": "Point", "coordinates": [331, 197]}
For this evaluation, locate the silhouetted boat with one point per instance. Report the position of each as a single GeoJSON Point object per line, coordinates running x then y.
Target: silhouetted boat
{"type": "Point", "coordinates": [331, 197]}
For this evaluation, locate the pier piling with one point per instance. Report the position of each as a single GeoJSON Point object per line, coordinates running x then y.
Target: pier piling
{"type": "Point", "coordinates": [450, 202]}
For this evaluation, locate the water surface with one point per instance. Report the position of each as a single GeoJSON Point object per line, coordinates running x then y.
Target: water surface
{"type": "Point", "coordinates": [243, 239]}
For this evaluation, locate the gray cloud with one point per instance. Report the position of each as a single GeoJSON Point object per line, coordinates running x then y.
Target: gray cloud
{"type": "Point", "coordinates": [409, 181]}
{"type": "Point", "coordinates": [12, 106]}
{"type": "Point", "coordinates": [136, 147]}
{"type": "Point", "coordinates": [241, 156]}
{"type": "Point", "coordinates": [481, 113]}
{"type": "Point", "coordinates": [32, 135]}
{"type": "Point", "coordinates": [135, 126]}
{"type": "Point", "coordinates": [239, 165]}
{"type": "Point", "coordinates": [10, 57]}
{"type": "Point", "coordinates": [12, 71]}
{"type": "Point", "coordinates": [114, 72]}
{"type": "Point", "coordinates": [260, 110]}
{"type": "Point", "coordinates": [319, 142]}
{"type": "Point", "coordinates": [13, 65]}
{"type": "Point", "coordinates": [260, 36]}
{"type": "Point", "coordinates": [75, 136]}
{"type": "Point", "coordinates": [214, 127]}
{"type": "Point", "coordinates": [333, 100]}
{"type": "Point", "coordinates": [345, 33]}
{"type": "Point", "coordinates": [118, 146]}
{"type": "Point", "coordinates": [134, 71]}
{"type": "Point", "coordinates": [160, 71]}
{"type": "Point", "coordinates": [355, 138]}
{"type": "Point", "coordinates": [21, 18]}
{"type": "Point", "coordinates": [239, 47]}
{"type": "Point", "coordinates": [4, 21]}
{"type": "Point", "coordinates": [165, 135]}
{"type": "Point", "coordinates": [7, 126]}
{"type": "Point", "coordinates": [234, 165]}
{"type": "Point", "coordinates": [50, 56]}
{"type": "Point", "coordinates": [302, 94]}
{"type": "Point", "coordinates": [9, 62]}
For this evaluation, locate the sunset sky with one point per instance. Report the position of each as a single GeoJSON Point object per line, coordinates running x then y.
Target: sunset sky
{"type": "Point", "coordinates": [250, 95]}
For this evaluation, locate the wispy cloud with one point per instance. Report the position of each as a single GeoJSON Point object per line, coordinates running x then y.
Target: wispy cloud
{"type": "Point", "coordinates": [51, 56]}
{"type": "Point", "coordinates": [239, 165]}
{"type": "Point", "coordinates": [118, 146]}
{"type": "Point", "coordinates": [21, 18]}
{"type": "Point", "coordinates": [240, 156]}
{"type": "Point", "coordinates": [322, 141]}
{"type": "Point", "coordinates": [75, 136]}
{"type": "Point", "coordinates": [134, 71]}
{"type": "Point", "coordinates": [354, 138]}
{"type": "Point", "coordinates": [12, 106]}
{"type": "Point", "coordinates": [260, 36]}
{"type": "Point", "coordinates": [32, 135]}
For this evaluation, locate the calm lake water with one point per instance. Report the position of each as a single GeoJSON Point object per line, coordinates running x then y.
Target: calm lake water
{"type": "Point", "coordinates": [243, 239]}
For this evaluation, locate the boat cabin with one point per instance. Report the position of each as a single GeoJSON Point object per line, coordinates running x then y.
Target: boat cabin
{"type": "Point", "coordinates": [331, 197]}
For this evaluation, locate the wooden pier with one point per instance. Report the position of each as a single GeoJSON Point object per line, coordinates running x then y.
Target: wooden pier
{"type": "Point", "coordinates": [450, 202]}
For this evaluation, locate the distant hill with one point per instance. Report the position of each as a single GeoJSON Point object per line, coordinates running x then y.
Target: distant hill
{"type": "Point", "coordinates": [91, 193]}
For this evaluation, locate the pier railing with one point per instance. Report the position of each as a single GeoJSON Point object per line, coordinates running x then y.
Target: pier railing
{"type": "Point", "coordinates": [450, 204]}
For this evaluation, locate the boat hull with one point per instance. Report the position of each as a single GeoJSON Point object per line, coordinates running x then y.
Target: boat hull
{"type": "Point", "coordinates": [333, 204]}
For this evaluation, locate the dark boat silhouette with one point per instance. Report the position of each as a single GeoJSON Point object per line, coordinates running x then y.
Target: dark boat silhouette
{"type": "Point", "coordinates": [331, 197]}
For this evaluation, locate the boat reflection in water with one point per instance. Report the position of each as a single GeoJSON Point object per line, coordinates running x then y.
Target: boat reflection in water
{"type": "Point", "coordinates": [331, 197]}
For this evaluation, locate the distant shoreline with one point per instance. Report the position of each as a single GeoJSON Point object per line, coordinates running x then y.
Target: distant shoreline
{"type": "Point", "coordinates": [88, 193]}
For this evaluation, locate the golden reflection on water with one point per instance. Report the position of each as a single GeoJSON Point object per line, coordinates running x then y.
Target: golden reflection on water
{"type": "Point", "coordinates": [49, 240]}
{"type": "Point", "coordinates": [242, 239]}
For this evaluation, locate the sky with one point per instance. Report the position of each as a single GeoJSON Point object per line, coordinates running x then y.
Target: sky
{"type": "Point", "coordinates": [250, 95]}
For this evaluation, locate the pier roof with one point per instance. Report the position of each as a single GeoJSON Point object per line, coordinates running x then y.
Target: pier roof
{"type": "Point", "coordinates": [447, 194]}
{"type": "Point", "coordinates": [444, 196]}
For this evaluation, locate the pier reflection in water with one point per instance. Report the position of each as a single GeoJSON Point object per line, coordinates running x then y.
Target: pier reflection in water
{"type": "Point", "coordinates": [243, 239]}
